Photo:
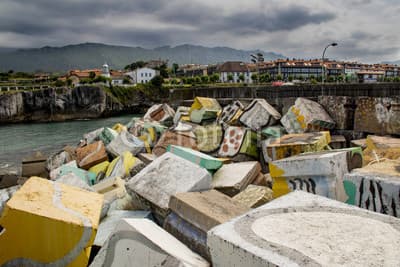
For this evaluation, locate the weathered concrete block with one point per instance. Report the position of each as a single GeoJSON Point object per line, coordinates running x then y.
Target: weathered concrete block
{"type": "Point", "coordinates": [55, 174]}
{"type": "Point", "coordinates": [5, 195]}
{"type": "Point", "coordinates": [234, 178]}
{"type": "Point", "coordinates": [49, 223]}
{"type": "Point", "coordinates": [163, 178]}
{"type": "Point", "coordinates": [211, 164]}
{"type": "Point", "coordinates": [107, 226]}
{"type": "Point", "coordinates": [205, 209]}
{"type": "Point", "coordinates": [57, 160]}
{"type": "Point", "coordinates": [230, 114]}
{"type": "Point", "coordinates": [359, 143]}
{"type": "Point", "coordinates": [194, 238]}
{"type": "Point", "coordinates": [124, 142]}
{"type": "Point", "coordinates": [34, 165]}
{"type": "Point", "coordinates": [208, 137]}
{"type": "Point", "coordinates": [185, 139]}
{"type": "Point", "coordinates": [319, 173]}
{"type": "Point", "coordinates": [294, 144]}
{"type": "Point", "coordinates": [377, 115]}
{"type": "Point", "coordinates": [375, 187]}
{"type": "Point", "coordinates": [259, 114]}
{"type": "Point", "coordinates": [254, 196]}
{"type": "Point", "coordinates": [100, 170]}
{"type": "Point", "coordinates": [92, 136]}
{"type": "Point", "coordinates": [306, 116]}
{"type": "Point", "coordinates": [162, 113]}
{"type": "Point", "coordinates": [204, 109]}
{"type": "Point", "coordinates": [72, 179]}
{"type": "Point", "coordinates": [238, 140]}
{"type": "Point", "coordinates": [90, 155]}
{"type": "Point", "coordinates": [381, 147]}
{"type": "Point", "coordinates": [273, 131]}
{"type": "Point", "coordinates": [124, 165]}
{"type": "Point", "coordinates": [302, 229]}
{"type": "Point", "coordinates": [147, 131]}
{"type": "Point", "coordinates": [146, 243]}
{"type": "Point", "coordinates": [111, 188]}
{"type": "Point", "coordinates": [338, 142]}
{"type": "Point", "coordinates": [147, 158]}
{"type": "Point", "coordinates": [88, 177]}
{"type": "Point", "coordinates": [341, 109]}
{"type": "Point", "coordinates": [181, 114]}
{"type": "Point", "coordinates": [8, 176]}
{"type": "Point", "coordinates": [108, 135]}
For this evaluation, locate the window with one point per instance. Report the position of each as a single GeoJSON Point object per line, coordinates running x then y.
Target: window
{"type": "Point", "coordinates": [145, 75]}
{"type": "Point", "coordinates": [149, 74]}
{"type": "Point", "coordinates": [141, 74]}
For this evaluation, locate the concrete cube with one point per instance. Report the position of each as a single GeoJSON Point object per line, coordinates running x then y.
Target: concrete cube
{"type": "Point", "coordinates": [146, 243]}
{"type": "Point", "coordinates": [49, 223]}
{"type": "Point", "coordinates": [302, 229]}
{"type": "Point", "coordinates": [259, 114]}
{"type": "Point", "coordinates": [90, 155]}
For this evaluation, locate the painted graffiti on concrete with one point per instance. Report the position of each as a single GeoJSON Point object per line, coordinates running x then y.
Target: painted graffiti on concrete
{"type": "Point", "coordinates": [374, 195]}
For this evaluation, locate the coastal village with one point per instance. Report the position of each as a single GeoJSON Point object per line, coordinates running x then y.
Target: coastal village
{"type": "Point", "coordinates": [206, 184]}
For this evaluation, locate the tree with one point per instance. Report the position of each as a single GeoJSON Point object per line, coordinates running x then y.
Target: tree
{"type": "Point", "coordinates": [205, 79]}
{"type": "Point", "coordinates": [279, 77]}
{"type": "Point", "coordinates": [59, 83]}
{"type": "Point", "coordinates": [163, 70]}
{"type": "Point", "coordinates": [135, 65]}
{"type": "Point", "coordinates": [197, 79]}
{"type": "Point", "coordinates": [241, 77]}
{"type": "Point", "coordinates": [290, 78]}
{"type": "Point", "coordinates": [126, 80]}
{"type": "Point", "coordinates": [157, 81]}
{"type": "Point", "coordinates": [214, 78]}
{"type": "Point", "coordinates": [230, 77]}
{"type": "Point", "coordinates": [92, 75]}
{"type": "Point", "coordinates": [254, 77]}
{"type": "Point", "coordinates": [175, 68]}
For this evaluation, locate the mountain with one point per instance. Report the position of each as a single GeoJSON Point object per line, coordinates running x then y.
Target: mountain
{"type": "Point", "coordinates": [93, 55]}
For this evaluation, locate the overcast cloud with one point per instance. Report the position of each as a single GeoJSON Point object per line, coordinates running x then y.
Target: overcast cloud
{"type": "Point", "coordinates": [366, 30]}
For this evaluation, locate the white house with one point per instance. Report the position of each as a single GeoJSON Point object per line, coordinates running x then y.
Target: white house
{"type": "Point", "coordinates": [142, 75]}
{"type": "Point", "coordinates": [234, 69]}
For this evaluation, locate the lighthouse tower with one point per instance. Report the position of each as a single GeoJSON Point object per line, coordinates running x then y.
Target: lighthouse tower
{"type": "Point", "coordinates": [105, 71]}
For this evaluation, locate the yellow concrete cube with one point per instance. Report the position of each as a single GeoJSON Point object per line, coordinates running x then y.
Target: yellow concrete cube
{"type": "Point", "coordinates": [49, 223]}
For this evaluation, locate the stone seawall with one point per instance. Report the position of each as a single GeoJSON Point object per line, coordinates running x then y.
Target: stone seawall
{"type": "Point", "coordinates": [57, 105]}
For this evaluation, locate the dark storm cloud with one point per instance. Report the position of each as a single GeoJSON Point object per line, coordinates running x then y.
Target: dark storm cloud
{"type": "Point", "coordinates": [290, 18]}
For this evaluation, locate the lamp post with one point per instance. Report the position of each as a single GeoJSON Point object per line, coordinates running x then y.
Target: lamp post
{"type": "Point", "coordinates": [323, 61]}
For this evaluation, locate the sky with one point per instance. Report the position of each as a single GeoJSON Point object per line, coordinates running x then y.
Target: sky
{"type": "Point", "coordinates": [366, 30]}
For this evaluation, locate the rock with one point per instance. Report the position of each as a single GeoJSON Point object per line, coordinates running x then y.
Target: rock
{"type": "Point", "coordinates": [233, 178]}
{"type": "Point", "coordinates": [72, 179]}
{"type": "Point", "coordinates": [107, 226]}
{"type": "Point", "coordinates": [303, 229]}
{"type": "Point", "coordinates": [163, 178]}
{"type": "Point", "coordinates": [341, 109]}
{"type": "Point", "coordinates": [204, 109]}
{"type": "Point", "coordinates": [108, 135]}
{"type": "Point", "coordinates": [8, 176]}
{"type": "Point", "coordinates": [306, 116]}
{"type": "Point", "coordinates": [34, 165]}
{"type": "Point", "coordinates": [148, 244]}
{"type": "Point", "coordinates": [93, 136]}
{"type": "Point", "coordinates": [377, 115]}
{"type": "Point", "coordinates": [259, 114]}
{"type": "Point", "coordinates": [230, 114]}
{"type": "Point", "coordinates": [208, 137]}
{"type": "Point", "coordinates": [254, 196]}
{"type": "Point", "coordinates": [174, 138]}
{"type": "Point", "coordinates": [61, 218]}
{"type": "Point", "coordinates": [195, 213]}
{"type": "Point", "coordinates": [90, 155]}
{"type": "Point", "coordinates": [294, 144]}
{"type": "Point", "coordinates": [319, 173]}
{"type": "Point", "coordinates": [124, 165]}
{"type": "Point", "coordinates": [124, 142]}
{"type": "Point", "coordinates": [211, 164]}
{"type": "Point", "coordinates": [338, 142]}
{"type": "Point", "coordinates": [375, 187]}
{"type": "Point", "coordinates": [162, 113]}
{"type": "Point", "coordinates": [381, 147]}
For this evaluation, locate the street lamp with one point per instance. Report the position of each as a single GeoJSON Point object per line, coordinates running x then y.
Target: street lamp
{"type": "Point", "coordinates": [323, 60]}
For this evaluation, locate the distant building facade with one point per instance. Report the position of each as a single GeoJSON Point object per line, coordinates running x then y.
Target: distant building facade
{"type": "Point", "coordinates": [142, 75]}
{"type": "Point", "coordinates": [232, 71]}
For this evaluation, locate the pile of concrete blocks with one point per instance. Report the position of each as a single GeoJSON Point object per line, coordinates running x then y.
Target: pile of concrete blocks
{"type": "Point", "coordinates": [210, 185]}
